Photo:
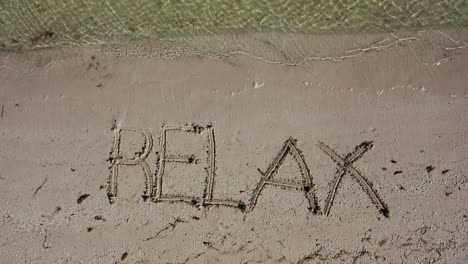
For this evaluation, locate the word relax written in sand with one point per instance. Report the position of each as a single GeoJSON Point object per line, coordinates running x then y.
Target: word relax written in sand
{"type": "Point", "coordinates": [154, 188]}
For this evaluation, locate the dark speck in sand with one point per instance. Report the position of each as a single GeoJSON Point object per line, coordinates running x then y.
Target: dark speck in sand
{"type": "Point", "coordinates": [81, 198]}
{"type": "Point", "coordinates": [429, 168]}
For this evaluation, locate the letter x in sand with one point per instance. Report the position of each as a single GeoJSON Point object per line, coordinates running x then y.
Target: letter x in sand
{"type": "Point", "coordinates": [345, 166]}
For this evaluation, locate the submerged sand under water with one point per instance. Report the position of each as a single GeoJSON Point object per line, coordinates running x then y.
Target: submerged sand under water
{"type": "Point", "coordinates": [28, 24]}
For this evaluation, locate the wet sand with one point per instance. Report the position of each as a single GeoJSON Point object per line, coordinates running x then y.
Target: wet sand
{"type": "Point", "coordinates": [354, 154]}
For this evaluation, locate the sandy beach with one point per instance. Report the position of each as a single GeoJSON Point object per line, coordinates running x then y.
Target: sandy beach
{"type": "Point", "coordinates": [273, 154]}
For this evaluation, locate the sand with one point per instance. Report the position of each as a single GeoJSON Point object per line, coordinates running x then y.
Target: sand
{"type": "Point", "coordinates": [270, 155]}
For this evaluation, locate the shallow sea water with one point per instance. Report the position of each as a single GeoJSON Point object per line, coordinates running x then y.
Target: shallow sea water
{"type": "Point", "coordinates": [28, 24]}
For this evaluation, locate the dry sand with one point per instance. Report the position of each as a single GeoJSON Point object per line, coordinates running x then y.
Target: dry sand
{"type": "Point", "coordinates": [62, 109]}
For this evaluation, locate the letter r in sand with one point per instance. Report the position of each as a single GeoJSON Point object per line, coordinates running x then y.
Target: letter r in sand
{"type": "Point", "coordinates": [117, 160]}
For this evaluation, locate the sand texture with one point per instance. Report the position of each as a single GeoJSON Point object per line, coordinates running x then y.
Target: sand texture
{"type": "Point", "coordinates": [357, 154]}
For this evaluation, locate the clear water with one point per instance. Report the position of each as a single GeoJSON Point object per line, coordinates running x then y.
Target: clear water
{"type": "Point", "coordinates": [34, 23]}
